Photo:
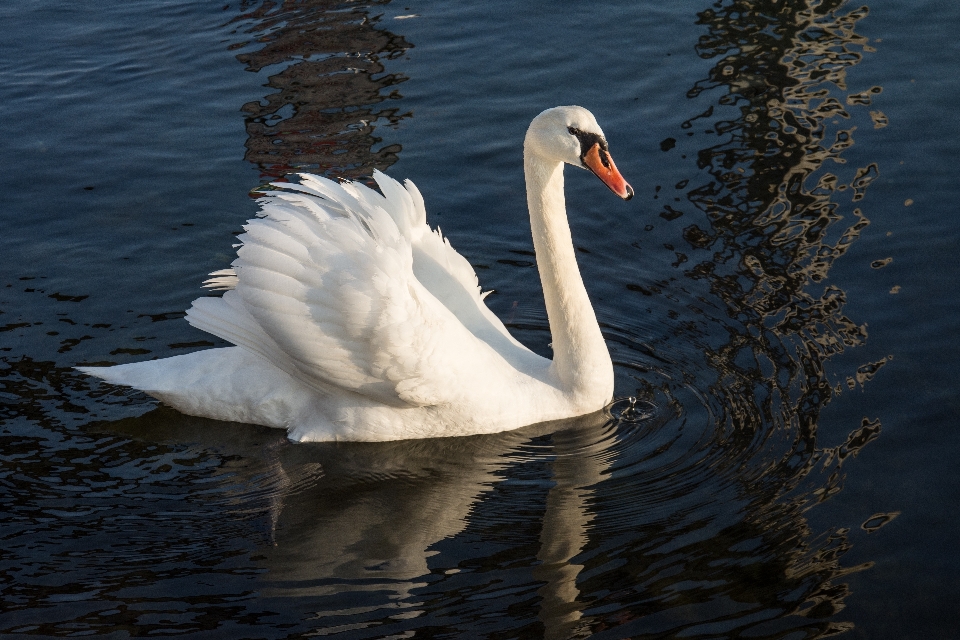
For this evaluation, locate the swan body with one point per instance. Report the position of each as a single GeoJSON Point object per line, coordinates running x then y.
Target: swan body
{"type": "Point", "coordinates": [353, 320]}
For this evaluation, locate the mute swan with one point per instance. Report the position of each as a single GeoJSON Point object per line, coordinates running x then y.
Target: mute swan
{"type": "Point", "coordinates": [353, 320]}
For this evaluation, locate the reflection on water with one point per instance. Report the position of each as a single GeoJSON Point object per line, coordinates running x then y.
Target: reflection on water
{"type": "Point", "coordinates": [331, 89]}
{"type": "Point", "coordinates": [774, 200]}
{"type": "Point", "coordinates": [690, 522]}
{"type": "Point", "coordinates": [773, 203]}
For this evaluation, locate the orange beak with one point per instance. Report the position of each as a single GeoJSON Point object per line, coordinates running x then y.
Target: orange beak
{"type": "Point", "coordinates": [599, 161]}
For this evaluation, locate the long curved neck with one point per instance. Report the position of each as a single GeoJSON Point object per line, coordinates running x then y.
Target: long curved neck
{"type": "Point", "coordinates": [581, 361]}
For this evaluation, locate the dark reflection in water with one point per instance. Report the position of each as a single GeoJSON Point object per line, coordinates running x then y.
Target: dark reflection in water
{"type": "Point", "coordinates": [331, 92]}
{"type": "Point", "coordinates": [772, 206]}
{"type": "Point", "coordinates": [690, 520]}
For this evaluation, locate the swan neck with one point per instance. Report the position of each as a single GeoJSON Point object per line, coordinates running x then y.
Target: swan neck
{"type": "Point", "coordinates": [581, 361]}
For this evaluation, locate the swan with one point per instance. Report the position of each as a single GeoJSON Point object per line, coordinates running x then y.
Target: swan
{"type": "Point", "coordinates": [353, 320]}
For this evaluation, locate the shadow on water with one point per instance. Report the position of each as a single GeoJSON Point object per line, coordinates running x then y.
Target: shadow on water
{"type": "Point", "coordinates": [688, 521]}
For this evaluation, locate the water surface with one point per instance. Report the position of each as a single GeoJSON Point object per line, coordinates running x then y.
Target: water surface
{"type": "Point", "coordinates": [779, 296]}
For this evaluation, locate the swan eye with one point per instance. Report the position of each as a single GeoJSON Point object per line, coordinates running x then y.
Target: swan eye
{"type": "Point", "coordinates": [587, 140]}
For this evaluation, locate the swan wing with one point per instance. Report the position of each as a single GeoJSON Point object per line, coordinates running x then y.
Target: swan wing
{"type": "Point", "coordinates": [436, 264]}
{"type": "Point", "coordinates": [324, 288]}
{"type": "Point", "coordinates": [453, 281]}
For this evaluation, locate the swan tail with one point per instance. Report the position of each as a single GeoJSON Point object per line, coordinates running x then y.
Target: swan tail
{"type": "Point", "coordinates": [223, 384]}
{"type": "Point", "coordinates": [119, 375]}
{"type": "Point", "coordinates": [161, 379]}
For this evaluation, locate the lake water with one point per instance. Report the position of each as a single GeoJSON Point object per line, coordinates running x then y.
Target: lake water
{"type": "Point", "coordinates": [780, 297]}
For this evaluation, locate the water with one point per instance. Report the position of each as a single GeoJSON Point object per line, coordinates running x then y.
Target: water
{"type": "Point", "coordinates": [778, 297]}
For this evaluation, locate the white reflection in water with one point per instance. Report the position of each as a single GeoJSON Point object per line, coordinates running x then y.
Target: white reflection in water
{"type": "Point", "coordinates": [372, 521]}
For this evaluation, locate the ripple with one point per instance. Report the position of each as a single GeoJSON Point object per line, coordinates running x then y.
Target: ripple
{"type": "Point", "coordinates": [684, 513]}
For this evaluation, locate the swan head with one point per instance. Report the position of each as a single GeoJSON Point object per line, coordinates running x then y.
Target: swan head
{"type": "Point", "coordinates": [571, 135]}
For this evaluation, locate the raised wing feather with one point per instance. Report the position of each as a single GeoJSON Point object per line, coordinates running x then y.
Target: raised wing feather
{"type": "Point", "coordinates": [325, 289]}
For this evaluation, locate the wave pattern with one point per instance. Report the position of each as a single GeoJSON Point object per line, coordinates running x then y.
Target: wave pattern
{"type": "Point", "coordinates": [331, 90]}
{"type": "Point", "coordinates": [682, 512]}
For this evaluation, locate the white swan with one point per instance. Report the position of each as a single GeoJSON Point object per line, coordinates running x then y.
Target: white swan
{"type": "Point", "coordinates": [353, 320]}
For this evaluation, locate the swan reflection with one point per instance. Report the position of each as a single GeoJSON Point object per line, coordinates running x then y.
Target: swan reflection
{"type": "Point", "coordinates": [366, 516]}
{"type": "Point", "coordinates": [374, 519]}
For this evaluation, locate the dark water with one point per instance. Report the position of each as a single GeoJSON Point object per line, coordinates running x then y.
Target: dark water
{"type": "Point", "coordinates": [780, 296]}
